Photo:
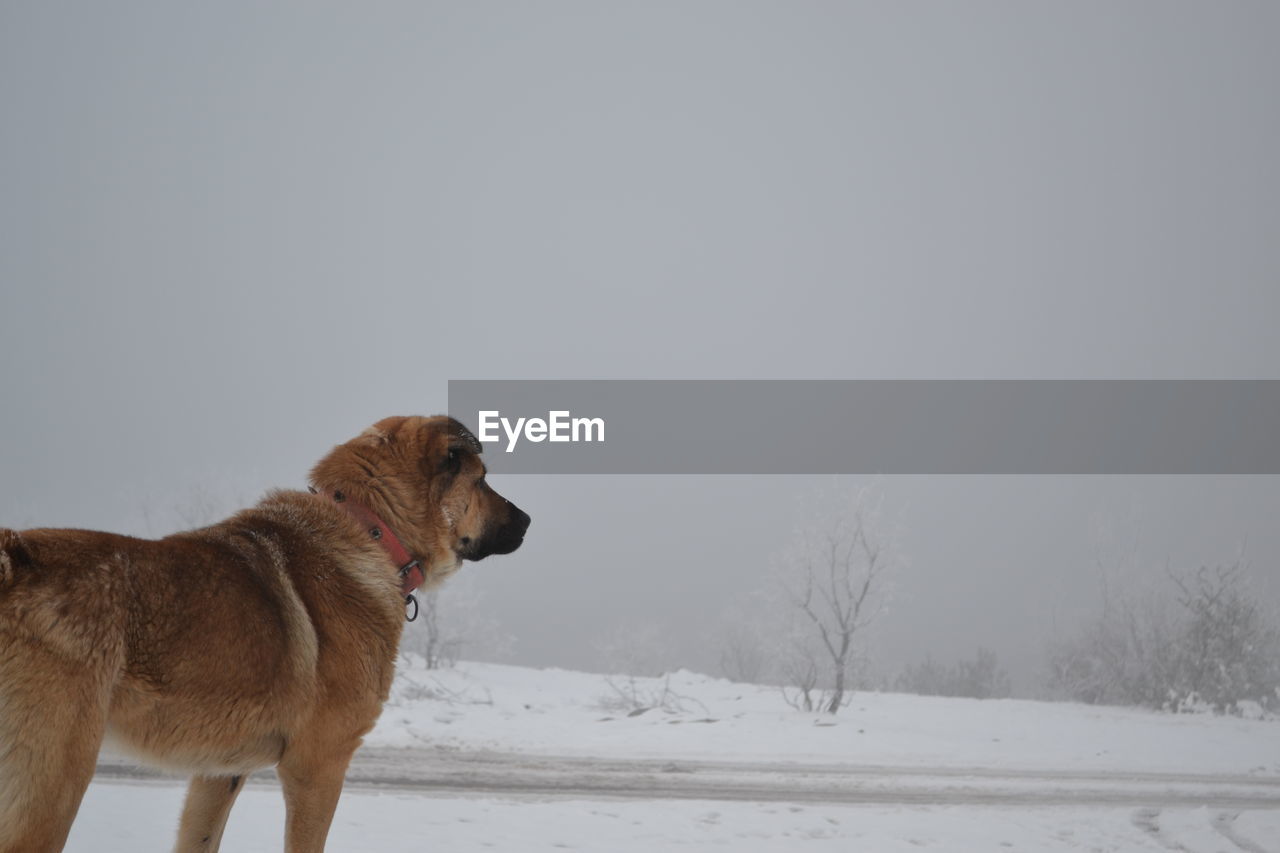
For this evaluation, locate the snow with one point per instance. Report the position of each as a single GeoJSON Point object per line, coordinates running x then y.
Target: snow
{"type": "Point", "coordinates": [557, 712]}
{"type": "Point", "coordinates": [923, 773]}
{"type": "Point", "coordinates": [393, 823]}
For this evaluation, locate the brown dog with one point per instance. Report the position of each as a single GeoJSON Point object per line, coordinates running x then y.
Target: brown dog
{"type": "Point", "coordinates": [269, 638]}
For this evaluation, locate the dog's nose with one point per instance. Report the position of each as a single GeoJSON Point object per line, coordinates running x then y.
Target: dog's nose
{"type": "Point", "coordinates": [521, 519]}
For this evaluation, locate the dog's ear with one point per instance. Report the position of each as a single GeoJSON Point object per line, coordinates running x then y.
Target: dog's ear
{"type": "Point", "coordinates": [462, 438]}
{"type": "Point", "coordinates": [438, 454]}
{"type": "Point", "coordinates": [446, 444]}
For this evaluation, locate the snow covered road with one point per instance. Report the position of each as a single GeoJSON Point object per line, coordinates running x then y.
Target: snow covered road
{"type": "Point", "coordinates": [492, 773]}
{"type": "Point", "coordinates": [511, 803]}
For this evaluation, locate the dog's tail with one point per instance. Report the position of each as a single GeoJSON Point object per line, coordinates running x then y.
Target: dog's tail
{"type": "Point", "coordinates": [14, 555]}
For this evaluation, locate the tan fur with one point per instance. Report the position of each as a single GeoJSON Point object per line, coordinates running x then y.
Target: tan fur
{"type": "Point", "coordinates": [266, 639]}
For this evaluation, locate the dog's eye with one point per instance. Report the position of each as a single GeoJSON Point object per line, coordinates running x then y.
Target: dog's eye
{"type": "Point", "coordinates": [452, 461]}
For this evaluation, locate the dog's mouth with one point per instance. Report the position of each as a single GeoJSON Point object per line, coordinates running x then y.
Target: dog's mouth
{"type": "Point", "coordinates": [475, 553]}
{"type": "Point", "coordinates": [507, 545]}
{"type": "Point", "coordinates": [503, 540]}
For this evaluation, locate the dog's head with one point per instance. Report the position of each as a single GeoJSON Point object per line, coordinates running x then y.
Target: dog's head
{"type": "Point", "coordinates": [424, 477]}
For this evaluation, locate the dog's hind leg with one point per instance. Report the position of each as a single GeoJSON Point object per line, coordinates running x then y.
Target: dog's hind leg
{"type": "Point", "coordinates": [204, 815]}
{"type": "Point", "coordinates": [52, 715]}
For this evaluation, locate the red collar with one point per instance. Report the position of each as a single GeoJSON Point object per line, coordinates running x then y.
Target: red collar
{"type": "Point", "coordinates": [410, 570]}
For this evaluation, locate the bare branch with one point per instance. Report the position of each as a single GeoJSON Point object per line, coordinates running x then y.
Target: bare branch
{"type": "Point", "coordinates": [834, 580]}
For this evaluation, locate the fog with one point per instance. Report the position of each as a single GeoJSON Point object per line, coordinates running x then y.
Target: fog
{"type": "Point", "coordinates": [232, 236]}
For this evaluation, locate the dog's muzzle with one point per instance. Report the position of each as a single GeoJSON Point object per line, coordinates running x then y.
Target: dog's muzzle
{"type": "Point", "coordinates": [502, 539]}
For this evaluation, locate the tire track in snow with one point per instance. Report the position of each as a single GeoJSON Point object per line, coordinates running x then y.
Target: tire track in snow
{"type": "Point", "coordinates": [424, 771]}
{"type": "Point", "coordinates": [1224, 823]}
{"type": "Point", "coordinates": [1148, 820]}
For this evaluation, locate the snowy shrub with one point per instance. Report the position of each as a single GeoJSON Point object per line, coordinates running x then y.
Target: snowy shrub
{"type": "Point", "coordinates": [413, 685]}
{"type": "Point", "coordinates": [634, 697]}
{"type": "Point", "coordinates": [1192, 703]}
{"type": "Point", "coordinates": [1250, 710]}
{"type": "Point", "coordinates": [1203, 642]}
{"type": "Point", "coordinates": [1228, 651]}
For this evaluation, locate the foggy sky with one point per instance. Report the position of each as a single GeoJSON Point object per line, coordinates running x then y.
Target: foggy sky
{"type": "Point", "coordinates": [231, 236]}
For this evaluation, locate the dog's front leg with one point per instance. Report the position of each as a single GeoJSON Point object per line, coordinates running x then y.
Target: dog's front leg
{"type": "Point", "coordinates": [312, 782]}
{"type": "Point", "coordinates": [204, 815]}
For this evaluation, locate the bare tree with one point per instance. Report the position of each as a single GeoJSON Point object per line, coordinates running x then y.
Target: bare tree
{"type": "Point", "coordinates": [834, 578]}
{"type": "Point", "coordinates": [438, 643]}
{"type": "Point", "coordinates": [799, 670]}
{"type": "Point", "coordinates": [451, 621]}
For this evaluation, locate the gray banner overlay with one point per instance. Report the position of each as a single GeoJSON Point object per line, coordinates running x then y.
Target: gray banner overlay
{"type": "Point", "coordinates": [875, 427]}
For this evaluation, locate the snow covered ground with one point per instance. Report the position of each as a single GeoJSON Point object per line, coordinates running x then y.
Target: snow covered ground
{"type": "Point", "coordinates": [558, 712]}
{"type": "Point", "coordinates": [489, 757]}
{"type": "Point", "coordinates": [130, 817]}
